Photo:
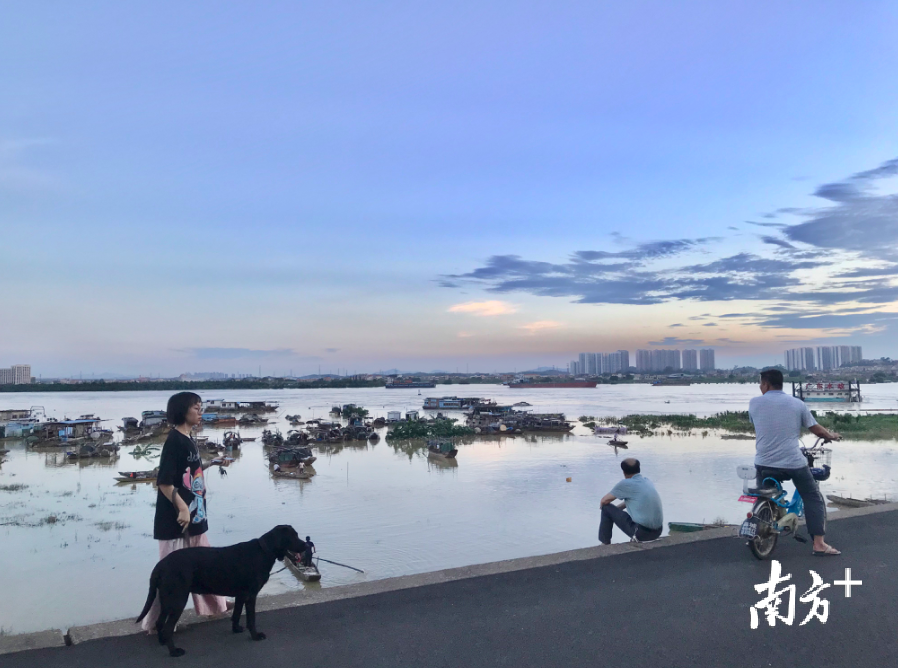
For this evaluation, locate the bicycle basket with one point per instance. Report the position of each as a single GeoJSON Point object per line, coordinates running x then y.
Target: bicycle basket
{"type": "Point", "coordinates": [822, 457]}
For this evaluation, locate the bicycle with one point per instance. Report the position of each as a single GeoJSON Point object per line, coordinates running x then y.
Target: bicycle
{"type": "Point", "coordinates": [772, 514]}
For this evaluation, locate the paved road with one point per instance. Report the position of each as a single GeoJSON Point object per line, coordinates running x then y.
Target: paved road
{"type": "Point", "coordinates": [687, 605]}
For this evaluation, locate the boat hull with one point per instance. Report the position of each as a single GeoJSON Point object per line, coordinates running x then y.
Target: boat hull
{"type": "Point", "coordinates": [546, 386]}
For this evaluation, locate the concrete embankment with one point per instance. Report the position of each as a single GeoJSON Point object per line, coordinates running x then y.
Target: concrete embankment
{"type": "Point", "coordinates": [683, 600]}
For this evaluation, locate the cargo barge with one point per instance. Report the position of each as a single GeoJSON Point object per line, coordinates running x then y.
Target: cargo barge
{"type": "Point", "coordinates": [408, 385]}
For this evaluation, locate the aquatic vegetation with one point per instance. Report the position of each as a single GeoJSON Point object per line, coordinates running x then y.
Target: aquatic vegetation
{"type": "Point", "coordinates": [18, 487]}
{"type": "Point", "coordinates": [445, 428]}
{"type": "Point", "coordinates": [850, 425]}
{"type": "Point", "coordinates": [147, 451]}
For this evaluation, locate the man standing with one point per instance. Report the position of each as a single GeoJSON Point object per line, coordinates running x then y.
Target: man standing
{"type": "Point", "coordinates": [645, 519]}
{"type": "Point", "coordinates": [307, 555]}
{"type": "Point", "coordinates": [778, 419]}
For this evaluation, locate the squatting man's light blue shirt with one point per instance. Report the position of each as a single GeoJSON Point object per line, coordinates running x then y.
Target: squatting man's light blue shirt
{"type": "Point", "coordinates": [643, 501]}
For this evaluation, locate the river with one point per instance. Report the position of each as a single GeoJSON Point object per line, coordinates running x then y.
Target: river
{"type": "Point", "coordinates": [77, 548]}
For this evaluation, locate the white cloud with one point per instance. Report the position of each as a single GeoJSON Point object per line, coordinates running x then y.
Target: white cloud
{"type": "Point", "coordinates": [540, 325]}
{"type": "Point", "coordinates": [487, 308]}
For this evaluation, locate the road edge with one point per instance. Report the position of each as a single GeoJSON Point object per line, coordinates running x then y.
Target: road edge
{"type": "Point", "coordinates": [123, 627]}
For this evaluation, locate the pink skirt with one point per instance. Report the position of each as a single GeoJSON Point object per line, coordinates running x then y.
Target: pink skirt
{"type": "Point", "coordinates": [205, 604]}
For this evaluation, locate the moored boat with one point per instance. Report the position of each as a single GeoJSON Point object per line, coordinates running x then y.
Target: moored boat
{"type": "Point", "coordinates": [305, 573]}
{"type": "Point", "coordinates": [295, 475]}
{"type": "Point", "coordinates": [849, 502]}
{"type": "Point", "coordinates": [137, 476]}
{"type": "Point", "coordinates": [689, 527]}
{"type": "Point", "coordinates": [441, 450]}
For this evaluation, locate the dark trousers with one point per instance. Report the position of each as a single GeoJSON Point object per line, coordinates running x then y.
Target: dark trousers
{"type": "Point", "coordinates": [814, 506]}
{"type": "Point", "coordinates": [612, 515]}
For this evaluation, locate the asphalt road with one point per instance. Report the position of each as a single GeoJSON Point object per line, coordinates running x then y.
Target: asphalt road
{"type": "Point", "coordinates": [687, 605]}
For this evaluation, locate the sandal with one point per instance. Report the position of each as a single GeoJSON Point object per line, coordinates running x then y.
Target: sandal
{"type": "Point", "coordinates": [828, 552]}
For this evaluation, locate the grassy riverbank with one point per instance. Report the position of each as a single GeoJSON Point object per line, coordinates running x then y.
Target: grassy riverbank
{"type": "Point", "coordinates": [851, 426]}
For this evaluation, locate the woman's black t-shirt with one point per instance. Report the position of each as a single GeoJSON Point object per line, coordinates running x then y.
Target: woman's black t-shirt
{"type": "Point", "coordinates": [180, 466]}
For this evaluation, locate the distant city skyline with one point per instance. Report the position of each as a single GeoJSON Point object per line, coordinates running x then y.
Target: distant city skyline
{"type": "Point", "coordinates": [361, 187]}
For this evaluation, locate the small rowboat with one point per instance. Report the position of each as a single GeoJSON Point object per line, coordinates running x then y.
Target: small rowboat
{"type": "Point", "coordinates": [617, 443]}
{"type": "Point", "coordinates": [689, 527]}
{"type": "Point", "coordinates": [292, 474]}
{"type": "Point", "coordinates": [848, 502]}
{"type": "Point", "coordinates": [442, 451]}
{"type": "Point", "coordinates": [304, 573]}
{"type": "Point", "coordinates": [137, 476]}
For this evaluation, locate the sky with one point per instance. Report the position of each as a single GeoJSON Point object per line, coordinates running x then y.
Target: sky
{"type": "Point", "coordinates": [289, 186]}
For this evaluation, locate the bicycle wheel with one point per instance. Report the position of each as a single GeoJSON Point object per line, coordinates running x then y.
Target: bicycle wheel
{"type": "Point", "coordinates": [762, 545]}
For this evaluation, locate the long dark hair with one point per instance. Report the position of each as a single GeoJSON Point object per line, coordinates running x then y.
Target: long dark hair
{"type": "Point", "coordinates": [178, 405]}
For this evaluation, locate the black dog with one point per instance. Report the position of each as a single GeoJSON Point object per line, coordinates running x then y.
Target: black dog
{"type": "Point", "coordinates": [240, 571]}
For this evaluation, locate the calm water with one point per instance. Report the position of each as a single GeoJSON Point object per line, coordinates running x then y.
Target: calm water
{"type": "Point", "coordinates": [387, 510]}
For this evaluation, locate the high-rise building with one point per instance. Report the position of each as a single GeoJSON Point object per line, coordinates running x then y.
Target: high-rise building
{"type": "Point", "coordinates": [592, 367]}
{"type": "Point", "coordinates": [800, 359]}
{"type": "Point", "coordinates": [17, 374]}
{"type": "Point", "coordinates": [690, 360]}
{"type": "Point", "coordinates": [663, 360]}
{"type": "Point", "coordinates": [611, 362]}
{"type": "Point", "coordinates": [624, 360]}
{"type": "Point", "coordinates": [581, 363]}
{"type": "Point", "coordinates": [657, 360]}
{"type": "Point", "coordinates": [643, 360]}
{"type": "Point", "coordinates": [706, 359]}
{"type": "Point", "coordinates": [833, 357]}
{"type": "Point", "coordinates": [826, 357]}
{"type": "Point", "coordinates": [574, 368]}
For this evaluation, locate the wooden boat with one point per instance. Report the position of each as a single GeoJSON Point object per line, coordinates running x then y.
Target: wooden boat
{"type": "Point", "coordinates": [304, 573]}
{"type": "Point", "coordinates": [90, 451]}
{"type": "Point", "coordinates": [137, 476]}
{"type": "Point", "coordinates": [232, 439]}
{"type": "Point", "coordinates": [616, 442]}
{"type": "Point", "coordinates": [689, 527]}
{"type": "Point", "coordinates": [295, 475]}
{"type": "Point", "coordinates": [849, 502]}
{"type": "Point", "coordinates": [252, 420]}
{"type": "Point", "coordinates": [444, 450]}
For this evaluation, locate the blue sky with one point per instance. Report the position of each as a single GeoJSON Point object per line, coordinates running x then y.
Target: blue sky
{"type": "Point", "coordinates": [189, 187]}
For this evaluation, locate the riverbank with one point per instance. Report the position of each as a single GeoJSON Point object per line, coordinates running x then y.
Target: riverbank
{"type": "Point", "coordinates": [690, 594]}
{"type": "Point", "coordinates": [849, 425]}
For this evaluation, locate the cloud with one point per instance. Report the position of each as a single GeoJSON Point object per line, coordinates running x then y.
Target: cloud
{"type": "Point", "coordinates": [859, 220]}
{"type": "Point", "coordinates": [775, 241]}
{"type": "Point", "coordinates": [674, 341]}
{"type": "Point", "coordinates": [539, 325]}
{"type": "Point", "coordinates": [678, 324]}
{"type": "Point", "coordinates": [486, 308]}
{"type": "Point", "coordinates": [465, 335]}
{"type": "Point", "coordinates": [241, 353]}
{"type": "Point", "coordinates": [891, 270]}
{"type": "Point", "coordinates": [726, 340]}
{"type": "Point", "coordinates": [801, 271]}
{"type": "Point", "coordinates": [331, 350]}
{"type": "Point", "coordinates": [710, 324]}
{"type": "Point", "coordinates": [847, 321]}
{"type": "Point", "coordinates": [750, 222]}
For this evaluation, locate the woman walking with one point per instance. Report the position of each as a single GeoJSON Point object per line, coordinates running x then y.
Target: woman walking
{"type": "Point", "coordinates": [181, 519]}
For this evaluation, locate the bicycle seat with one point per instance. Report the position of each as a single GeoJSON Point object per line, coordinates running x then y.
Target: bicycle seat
{"type": "Point", "coordinates": [766, 492]}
